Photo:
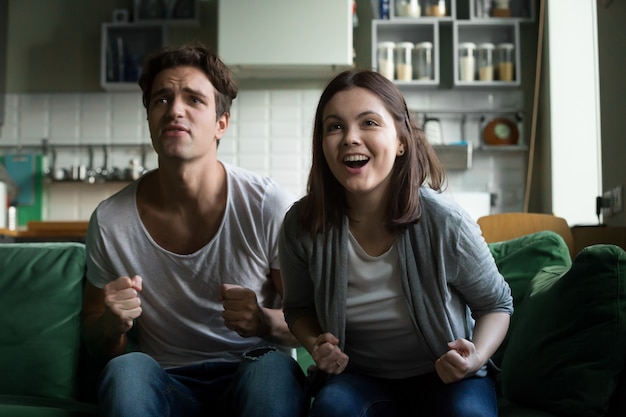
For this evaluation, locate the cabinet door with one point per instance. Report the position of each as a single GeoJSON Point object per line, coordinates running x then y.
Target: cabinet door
{"type": "Point", "coordinates": [123, 49]}
{"type": "Point", "coordinates": [285, 38]}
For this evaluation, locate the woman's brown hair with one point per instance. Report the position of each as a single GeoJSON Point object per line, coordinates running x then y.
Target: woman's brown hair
{"type": "Point", "coordinates": [326, 204]}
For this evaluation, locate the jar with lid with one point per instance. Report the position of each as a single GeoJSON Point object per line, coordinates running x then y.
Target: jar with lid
{"type": "Point", "coordinates": [506, 67]}
{"type": "Point", "coordinates": [501, 8]}
{"type": "Point", "coordinates": [485, 61]}
{"type": "Point", "coordinates": [435, 8]}
{"type": "Point", "coordinates": [404, 63]}
{"type": "Point", "coordinates": [423, 61]}
{"type": "Point", "coordinates": [467, 61]}
{"type": "Point", "coordinates": [386, 65]}
{"type": "Point", "coordinates": [408, 8]}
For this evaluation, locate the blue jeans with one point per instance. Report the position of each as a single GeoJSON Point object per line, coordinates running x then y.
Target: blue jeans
{"type": "Point", "coordinates": [354, 395]}
{"type": "Point", "coordinates": [266, 383]}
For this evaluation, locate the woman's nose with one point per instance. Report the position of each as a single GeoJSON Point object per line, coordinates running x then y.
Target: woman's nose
{"type": "Point", "coordinates": [351, 137]}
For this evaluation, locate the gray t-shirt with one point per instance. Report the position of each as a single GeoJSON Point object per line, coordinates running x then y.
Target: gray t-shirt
{"type": "Point", "coordinates": [181, 321]}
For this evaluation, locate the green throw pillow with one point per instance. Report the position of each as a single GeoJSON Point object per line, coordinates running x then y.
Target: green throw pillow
{"type": "Point", "coordinates": [41, 301]}
{"type": "Point", "coordinates": [520, 259]}
{"type": "Point", "coordinates": [566, 352]}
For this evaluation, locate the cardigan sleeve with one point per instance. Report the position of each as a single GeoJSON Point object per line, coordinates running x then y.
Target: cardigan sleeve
{"type": "Point", "coordinates": [298, 297]}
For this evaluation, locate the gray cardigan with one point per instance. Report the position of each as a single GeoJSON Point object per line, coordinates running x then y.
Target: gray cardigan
{"type": "Point", "coordinates": [448, 274]}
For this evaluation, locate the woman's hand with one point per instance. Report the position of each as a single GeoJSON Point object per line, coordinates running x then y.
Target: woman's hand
{"type": "Point", "coordinates": [328, 356]}
{"type": "Point", "coordinates": [461, 361]}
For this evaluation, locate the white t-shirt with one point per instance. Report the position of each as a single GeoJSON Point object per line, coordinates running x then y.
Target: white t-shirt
{"type": "Point", "coordinates": [381, 339]}
{"type": "Point", "coordinates": [181, 321]}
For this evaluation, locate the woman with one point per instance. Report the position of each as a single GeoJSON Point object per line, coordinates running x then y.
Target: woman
{"type": "Point", "coordinates": [388, 284]}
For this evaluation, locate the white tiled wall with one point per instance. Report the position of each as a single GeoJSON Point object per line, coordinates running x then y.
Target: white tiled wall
{"type": "Point", "coordinates": [270, 133]}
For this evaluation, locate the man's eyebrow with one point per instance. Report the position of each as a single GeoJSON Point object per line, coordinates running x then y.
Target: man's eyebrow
{"type": "Point", "coordinates": [167, 90]}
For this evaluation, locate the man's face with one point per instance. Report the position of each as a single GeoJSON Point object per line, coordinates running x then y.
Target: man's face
{"type": "Point", "coordinates": [181, 114]}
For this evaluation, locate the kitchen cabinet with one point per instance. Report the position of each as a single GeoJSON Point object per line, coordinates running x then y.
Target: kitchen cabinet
{"type": "Point", "coordinates": [490, 32]}
{"type": "Point", "coordinates": [125, 43]}
{"type": "Point", "coordinates": [285, 38]}
{"type": "Point", "coordinates": [415, 31]}
{"type": "Point", "coordinates": [468, 25]}
{"type": "Point", "coordinates": [123, 48]}
{"type": "Point", "coordinates": [177, 12]}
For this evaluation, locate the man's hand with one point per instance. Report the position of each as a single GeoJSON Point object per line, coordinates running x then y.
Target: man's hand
{"type": "Point", "coordinates": [242, 312]}
{"type": "Point", "coordinates": [122, 301]}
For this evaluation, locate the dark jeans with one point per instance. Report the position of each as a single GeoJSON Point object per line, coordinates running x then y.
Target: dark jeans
{"type": "Point", "coordinates": [266, 383]}
{"type": "Point", "coordinates": [354, 395]}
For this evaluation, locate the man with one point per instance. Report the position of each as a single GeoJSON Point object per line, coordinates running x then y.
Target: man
{"type": "Point", "coordinates": [186, 256]}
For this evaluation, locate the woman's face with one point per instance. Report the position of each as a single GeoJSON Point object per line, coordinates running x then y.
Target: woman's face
{"type": "Point", "coordinates": [360, 141]}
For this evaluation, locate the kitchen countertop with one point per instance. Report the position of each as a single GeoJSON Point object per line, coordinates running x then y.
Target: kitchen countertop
{"type": "Point", "coordinates": [47, 231]}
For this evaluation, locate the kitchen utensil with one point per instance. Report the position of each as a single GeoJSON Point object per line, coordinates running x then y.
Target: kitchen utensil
{"type": "Point", "coordinates": [501, 131]}
{"type": "Point", "coordinates": [432, 130]}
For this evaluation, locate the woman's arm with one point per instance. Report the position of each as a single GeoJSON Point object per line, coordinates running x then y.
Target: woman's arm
{"type": "Point", "coordinates": [465, 358]}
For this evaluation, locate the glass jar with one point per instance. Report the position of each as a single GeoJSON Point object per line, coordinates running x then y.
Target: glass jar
{"type": "Point", "coordinates": [423, 58]}
{"type": "Point", "coordinates": [408, 8]}
{"type": "Point", "coordinates": [504, 56]}
{"type": "Point", "coordinates": [467, 61]}
{"type": "Point", "coordinates": [386, 65]}
{"type": "Point", "coordinates": [404, 63]}
{"type": "Point", "coordinates": [483, 8]}
{"type": "Point", "coordinates": [435, 8]}
{"type": "Point", "coordinates": [485, 61]}
{"type": "Point", "coordinates": [501, 8]}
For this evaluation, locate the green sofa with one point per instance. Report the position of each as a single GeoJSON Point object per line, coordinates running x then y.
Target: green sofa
{"type": "Point", "coordinates": [564, 354]}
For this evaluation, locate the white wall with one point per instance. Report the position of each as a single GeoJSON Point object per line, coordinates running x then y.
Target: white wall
{"type": "Point", "coordinates": [270, 133]}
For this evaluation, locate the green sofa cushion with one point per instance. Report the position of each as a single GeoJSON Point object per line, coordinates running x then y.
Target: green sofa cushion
{"type": "Point", "coordinates": [519, 259]}
{"type": "Point", "coordinates": [40, 298]}
{"type": "Point", "coordinates": [566, 353]}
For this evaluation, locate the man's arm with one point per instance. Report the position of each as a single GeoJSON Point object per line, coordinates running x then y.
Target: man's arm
{"type": "Point", "coordinates": [108, 314]}
{"type": "Point", "coordinates": [243, 314]}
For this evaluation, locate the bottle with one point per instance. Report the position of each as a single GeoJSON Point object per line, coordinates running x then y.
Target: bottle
{"type": "Point", "coordinates": [383, 9]}
{"type": "Point", "coordinates": [485, 61]}
{"type": "Point", "coordinates": [386, 65]}
{"type": "Point", "coordinates": [423, 61]}
{"type": "Point", "coordinates": [12, 218]}
{"type": "Point", "coordinates": [506, 68]}
{"type": "Point", "coordinates": [404, 63]}
{"type": "Point", "coordinates": [467, 61]}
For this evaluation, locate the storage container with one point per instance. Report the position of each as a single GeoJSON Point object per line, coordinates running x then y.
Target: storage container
{"type": "Point", "coordinates": [435, 8]}
{"type": "Point", "coordinates": [404, 63]}
{"type": "Point", "coordinates": [386, 65]}
{"type": "Point", "coordinates": [408, 8]}
{"type": "Point", "coordinates": [485, 61]}
{"type": "Point", "coordinates": [505, 59]}
{"type": "Point", "coordinates": [467, 61]}
{"type": "Point", "coordinates": [423, 61]}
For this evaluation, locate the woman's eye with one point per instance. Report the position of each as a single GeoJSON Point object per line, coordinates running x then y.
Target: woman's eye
{"type": "Point", "coordinates": [333, 126]}
{"type": "Point", "coordinates": [370, 123]}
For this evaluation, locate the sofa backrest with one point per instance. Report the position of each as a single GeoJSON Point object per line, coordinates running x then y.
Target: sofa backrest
{"type": "Point", "coordinates": [41, 288]}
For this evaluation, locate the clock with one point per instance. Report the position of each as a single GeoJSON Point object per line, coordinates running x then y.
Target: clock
{"type": "Point", "coordinates": [501, 131]}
